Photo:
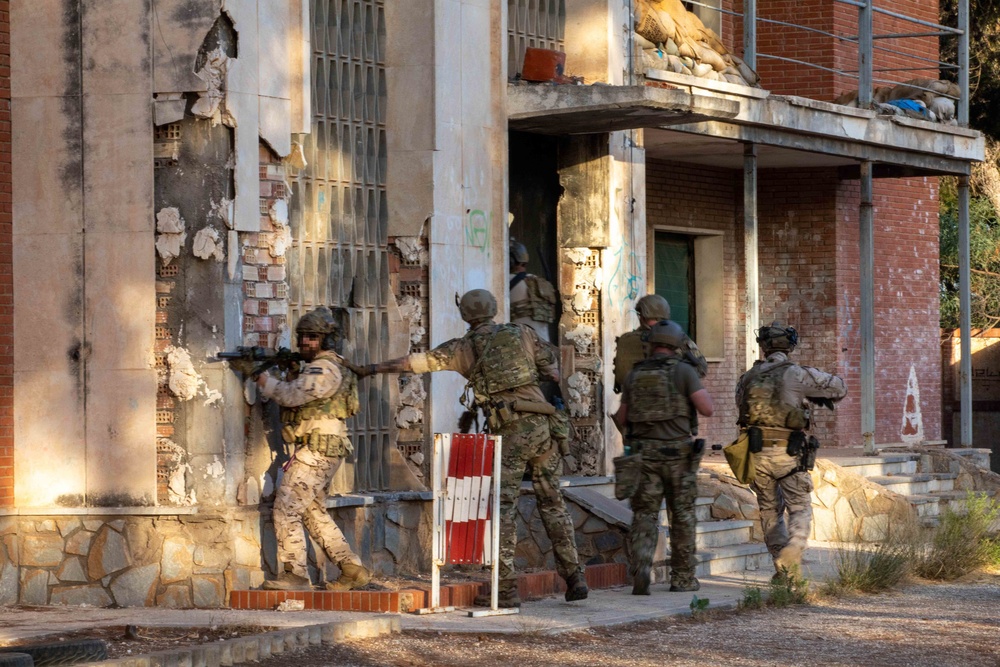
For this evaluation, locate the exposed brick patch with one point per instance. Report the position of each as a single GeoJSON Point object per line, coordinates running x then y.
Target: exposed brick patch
{"type": "Point", "coordinates": [265, 284]}
{"type": "Point", "coordinates": [530, 586]}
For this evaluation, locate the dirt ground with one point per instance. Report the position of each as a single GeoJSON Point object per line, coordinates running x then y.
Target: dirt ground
{"type": "Point", "coordinates": [925, 625]}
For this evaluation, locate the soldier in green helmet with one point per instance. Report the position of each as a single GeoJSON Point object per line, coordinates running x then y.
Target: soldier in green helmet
{"type": "Point", "coordinates": [532, 298]}
{"type": "Point", "coordinates": [773, 400]}
{"type": "Point", "coordinates": [314, 407]}
{"type": "Point", "coordinates": [661, 396]}
{"type": "Point", "coordinates": [504, 363]}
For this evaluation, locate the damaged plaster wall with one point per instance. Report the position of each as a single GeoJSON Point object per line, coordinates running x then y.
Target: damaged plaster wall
{"type": "Point", "coordinates": [83, 269]}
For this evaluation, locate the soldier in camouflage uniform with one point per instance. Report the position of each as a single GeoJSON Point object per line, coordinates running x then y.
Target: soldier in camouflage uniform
{"type": "Point", "coordinates": [503, 363]}
{"type": "Point", "coordinates": [661, 395]}
{"type": "Point", "coordinates": [532, 299]}
{"type": "Point", "coordinates": [773, 396]}
{"type": "Point", "coordinates": [314, 406]}
{"type": "Point", "coordinates": [651, 309]}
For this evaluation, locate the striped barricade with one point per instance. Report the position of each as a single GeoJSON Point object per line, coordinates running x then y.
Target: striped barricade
{"type": "Point", "coordinates": [465, 481]}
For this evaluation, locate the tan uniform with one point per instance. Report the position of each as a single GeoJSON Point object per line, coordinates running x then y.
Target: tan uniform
{"type": "Point", "coordinates": [533, 302]}
{"type": "Point", "coordinates": [527, 437]}
{"type": "Point", "coordinates": [314, 406]}
{"type": "Point", "coordinates": [778, 486]}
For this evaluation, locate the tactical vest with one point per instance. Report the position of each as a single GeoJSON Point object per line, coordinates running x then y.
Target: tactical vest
{"type": "Point", "coordinates": [540, 306]}
{"type": "Point", "coordinates": [653, 393]}
{"type": "Point", "coordinates": [628, 352]}
{"type": "Point", "coordinates": [762, 405]}
{"type": "Point", "coordinates": [501, 362]}
{"type": "Point", "coordinates": [341, 405]}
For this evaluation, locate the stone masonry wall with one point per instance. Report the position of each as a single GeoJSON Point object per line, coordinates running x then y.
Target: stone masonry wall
{"type": "Point", "coordinates": [184, 561]}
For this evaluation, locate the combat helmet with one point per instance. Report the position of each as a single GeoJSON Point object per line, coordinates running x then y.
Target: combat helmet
{"type": "Point", "coordinates": [666, 333]}
{"type": "Point", "coordinates": [777, 337]}
{"type": "Point", "coordinates": [320, 321]}
{"type": "Point", "coordinates": [518, 253]}
{"type": "Point", "coordinates": [477, 304]}
{"type": "Point", "coordinates": [652, 307]}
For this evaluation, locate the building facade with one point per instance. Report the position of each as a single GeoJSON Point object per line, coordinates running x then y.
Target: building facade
{"type": "Point", "coordinates": [189, 177]}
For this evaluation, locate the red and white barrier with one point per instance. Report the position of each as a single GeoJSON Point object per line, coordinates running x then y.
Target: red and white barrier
{"type": "Point", "coordinates": [465, 481]}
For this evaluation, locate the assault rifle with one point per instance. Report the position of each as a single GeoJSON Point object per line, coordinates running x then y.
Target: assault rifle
{"type": "Point", "coordinates": [254, 361]}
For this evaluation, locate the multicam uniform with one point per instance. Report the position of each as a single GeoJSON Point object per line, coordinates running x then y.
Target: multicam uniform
{"type": "Point", "coordinates": [532, 302]}
{"type": "Point", "coordinates": [773, 396]}
{"type": "Point", "coordinates": [657, 395]}
{"type": "Point", "coordinates": [314, 407]}
{"type": "Point", "coordinates": [504, 363]}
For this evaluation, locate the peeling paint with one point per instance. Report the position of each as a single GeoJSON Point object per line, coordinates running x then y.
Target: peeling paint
{"type": "Point", "coordinates": [412, 397]}
{"type": "Point", "coordinates": [171, 234]}
{"type": "Point", "coordinates": [412, 312]}
{"type": "Point", "coordinates": [177, 491]}
{"type": "Point", "coordinates": [211, 104]}
{"type": "Point", "coordinates": [581, 337]}
{"type": "Point", "coordinates": [278, 212]}
{"type": "Point", "coordinates": [579, 395]}
{"type": "Point", "coordinates": [215, 469]}
{"type": "Point", "coordinates": [577, 255]}
{"type": "Point", "coordinates": [296, 159]}
{"type": "Point", "coordinates": [207, 245]}
{"type": "Point", "coordinates": [912, 430]}
{"type": "Point", "coordinates": [412, 249]}
{"type": "Point", "coordinates": [279, 241]}
{"type": "Point", "coordinates": [184, 379]}
{"type": "Point", "coordinates": [223, 210]}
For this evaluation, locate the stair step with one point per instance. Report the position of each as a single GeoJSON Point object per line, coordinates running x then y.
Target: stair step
{"type": "Point", "coordinates": [714, 534]}
{"type": "Point", "coordinates": [926, 505]}
{"type": "Point", "coordinates": [868, 466]}
{"type": "Point", "coordinates": [918, 484]}
{"type": "Point", "coordinates": [733, 558]}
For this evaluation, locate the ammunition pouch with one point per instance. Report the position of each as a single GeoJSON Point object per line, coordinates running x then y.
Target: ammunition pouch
{"type": "Point", "coordinates": [628, 475]}
{"type": "Point", "coordinates": [796, 443]}
{"type": "Point", "coordinates": [755, 440]}
{"type": "Point", "coordinates": [808, 461]}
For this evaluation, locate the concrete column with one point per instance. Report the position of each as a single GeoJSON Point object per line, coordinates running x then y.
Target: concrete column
{"type": "Point", "coordinates": [965, 312]}
{"type": "Point", "coordinates": [750, 240]}
{"type": "Point", "coordinates": [867, 241]}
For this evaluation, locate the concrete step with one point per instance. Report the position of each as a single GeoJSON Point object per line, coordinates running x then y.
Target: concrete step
{"type": "Point", "coordinates": [925, 505]}
{"type": "Point", "coordinates": [916, 484]}
{"type": "Point", "coordinates": [734, 558]}
{"type": "Point", "coordinates": [885, 464]}
{"type": "Point", "coordinates": [714, 534]}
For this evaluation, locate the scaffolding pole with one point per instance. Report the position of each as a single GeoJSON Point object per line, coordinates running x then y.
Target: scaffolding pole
{"type": "Point", "coordinates": [867, 239]}
{"type": "Point", "coordinates": [750, 33]}
{"type": "Point", "coordinates": [963, 63]}
{"type": "Point", "coordinates": [865, 46]}
{"type": "Point", "coordinates": [752, 302]}
{"type": "Point", "coordinates": [965, 312]}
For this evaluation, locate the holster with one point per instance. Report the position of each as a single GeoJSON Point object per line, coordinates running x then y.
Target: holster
{"type": "Point", "coordinates": [756, 439]}
{"type": "Point", "coordinates": [809, 459]}
{"type": "Point", "coordinates": [796, 444]}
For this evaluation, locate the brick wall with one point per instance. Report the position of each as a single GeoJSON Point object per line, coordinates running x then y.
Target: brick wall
{"type": "Point", "coordinates": [809, 278]}
{"type": "Point", "coordinates": [787, 78]}
{"type": "Point", "coordinates": [6, 274]}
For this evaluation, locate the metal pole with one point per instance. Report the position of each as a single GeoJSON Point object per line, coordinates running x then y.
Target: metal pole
{"type": "Point", "coordinates": [963, 63]}
{"type": "Point", "coordinates": [867, 236]}
{"type": "Point", "coordinates": [965, 311]}
{"type": "Point", "coordinates": [865, 45]}
{"type": "Point", "coordinates": [750, 33]}
{"type": "Point", "coordinates": [752, 306]}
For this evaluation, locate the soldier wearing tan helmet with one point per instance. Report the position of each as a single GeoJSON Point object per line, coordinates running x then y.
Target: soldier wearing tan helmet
{"type": "Point", "coordinates": [651, 309]}
{"type": "Point", "coordinates": [532, 298]}
{"type": "Point", "coordinates": [662, 395]}
{"type": "Point", "coordinates": [773, 401]}
{"type": "Point", "coordinates": [314, 405]}
{"type": "Point", "coordinates": [504, 363]}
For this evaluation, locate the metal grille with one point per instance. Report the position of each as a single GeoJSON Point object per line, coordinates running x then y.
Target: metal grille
{"type": "Point", "coordinates": [339, 214]}
{"type": "Point", "coordinates": [536, 23]}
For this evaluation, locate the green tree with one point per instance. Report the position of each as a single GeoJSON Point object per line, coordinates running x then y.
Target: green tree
{"type": "Point", "coordinates": [984, 60]}
{"type": "Point", "coordinates": [984, 255]}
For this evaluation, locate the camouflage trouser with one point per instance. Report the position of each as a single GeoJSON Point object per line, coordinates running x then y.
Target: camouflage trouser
{"type": "Point", "coordinates": [300, 502]}
{"type": "Point", "coordinates": [526, 441]}
{"type": "Point", "coordinates": [673, 478]}
{"type": "Point", "coordinates": [774, 497]}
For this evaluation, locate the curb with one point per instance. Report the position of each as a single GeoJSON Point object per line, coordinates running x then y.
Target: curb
{"type": "Point", "coordinates": [260, 647]}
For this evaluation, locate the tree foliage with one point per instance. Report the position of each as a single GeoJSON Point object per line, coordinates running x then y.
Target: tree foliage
{"type": "Point", "coordinates": [984, 60]}
{"type": "Point", "coordinates": [984, 254]}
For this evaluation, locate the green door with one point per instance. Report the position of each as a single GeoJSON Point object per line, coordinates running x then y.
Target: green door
{"type": "Point", "coordinates": [674, 271]}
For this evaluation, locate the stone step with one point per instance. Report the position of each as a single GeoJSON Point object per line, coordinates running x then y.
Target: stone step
{"type": "Point", "coordinates": [925, 505]}
{"type": "Point", "coordinates": [714, 534]}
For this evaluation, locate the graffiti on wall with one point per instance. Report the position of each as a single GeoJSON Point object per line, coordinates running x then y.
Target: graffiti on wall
{"type": "Point", "coordinates": [477, 230]}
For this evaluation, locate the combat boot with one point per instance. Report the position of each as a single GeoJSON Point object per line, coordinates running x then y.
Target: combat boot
{"type": "Point", "coordinates": [288, 581]}
{"type": "Point", "coordinates": [684, 585]}
{"type": "Point", "coordinates": [576, 587]}
{"type": "Point", "coordinates": [505, 600]}
{"type": "Point", "coordinates": [640, 582]}
{"type": "Point", "coordinates": [351, 576]}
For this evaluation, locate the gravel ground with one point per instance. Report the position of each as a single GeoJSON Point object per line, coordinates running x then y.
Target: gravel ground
{"type": "Point", "coordinates": [925, 625]}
